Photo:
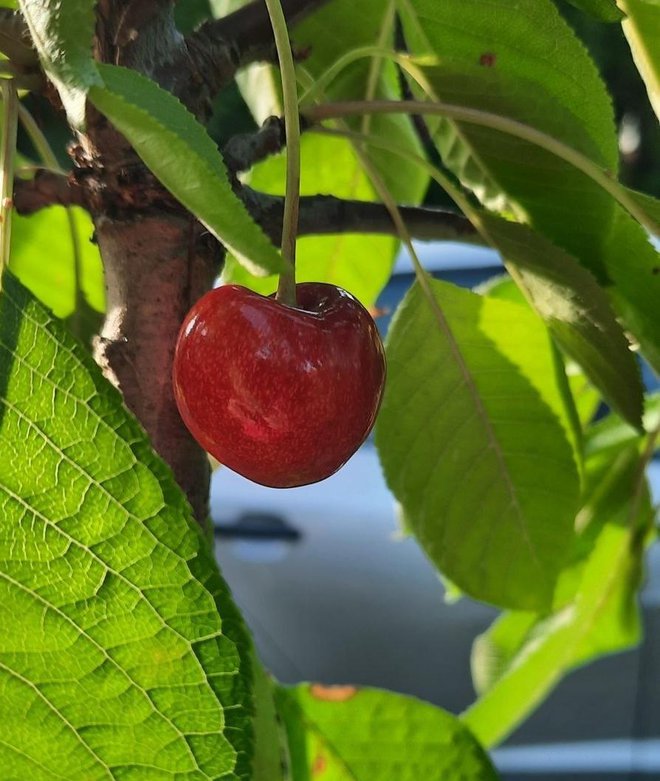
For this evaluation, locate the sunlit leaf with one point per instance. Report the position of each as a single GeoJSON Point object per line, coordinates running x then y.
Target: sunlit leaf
{"type": "Point", "coordinates": [519, 660]}
{"type": "Point", "coordinates": [62, 35]}
{"type": "Point", "coordinates": [360, 264]}
{"type": "Point", "coordinates": [604, 10]}
{"type": "Point", "coordinates": [348, 734]}
{"type": "Point", "coordinates": [42, 258]}
{"type": "Point", "coordinates": [642, 29]}
{"type": "Point", "coordinates": [473, 438]}
{"type": "Point", "coordinates": [121, 653]}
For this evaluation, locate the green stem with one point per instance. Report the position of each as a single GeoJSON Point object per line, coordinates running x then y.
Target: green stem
{"type": "Point", "coordinates": [7, 159]}
{"type": "Point", "coordinates": [286, 291]}
{"type": "Point", "coordinates": [315, 90]}
{"type": "Point", "coordinates": [496, 122]}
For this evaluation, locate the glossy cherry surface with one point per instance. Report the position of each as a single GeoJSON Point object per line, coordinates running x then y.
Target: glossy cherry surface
{"type": "Point", "coordinates": [284, 396]}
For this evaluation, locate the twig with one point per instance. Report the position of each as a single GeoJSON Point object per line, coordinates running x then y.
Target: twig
{"type": "Point", "coordinates": [243, 151]}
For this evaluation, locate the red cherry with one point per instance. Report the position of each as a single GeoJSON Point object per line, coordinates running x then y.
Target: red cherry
{"type": "Point", "coordinates": [284, 396]}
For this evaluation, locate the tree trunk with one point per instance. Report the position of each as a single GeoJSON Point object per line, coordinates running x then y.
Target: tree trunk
{"type": "Point", "coordinates": [156, 268]}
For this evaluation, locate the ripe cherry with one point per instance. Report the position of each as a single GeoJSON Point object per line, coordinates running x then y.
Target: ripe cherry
{"type": "Point", "coordinates": [284, 396]}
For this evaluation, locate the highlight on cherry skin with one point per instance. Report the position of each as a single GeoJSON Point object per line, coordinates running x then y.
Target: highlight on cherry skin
{"type": "Point", "coordinates": [284, 396]}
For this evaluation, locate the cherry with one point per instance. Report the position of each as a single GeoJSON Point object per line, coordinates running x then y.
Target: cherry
{"type": "Point", "coordinates": [284, 396]}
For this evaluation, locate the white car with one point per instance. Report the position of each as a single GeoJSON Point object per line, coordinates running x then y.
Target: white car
{"type": "Point", "coordinates": [334, 593]}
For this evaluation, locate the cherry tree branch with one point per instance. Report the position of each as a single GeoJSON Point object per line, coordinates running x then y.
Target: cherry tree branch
{"type": "Point", "coordinates": [248, 30]}
{"type": "Point", "coordinates": [325, 214]}
{"type": "Point", "coordinates": [319, 214]}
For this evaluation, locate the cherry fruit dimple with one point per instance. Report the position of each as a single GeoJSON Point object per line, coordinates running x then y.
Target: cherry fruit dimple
{"type": "Point", "coordinates": [284, 396]}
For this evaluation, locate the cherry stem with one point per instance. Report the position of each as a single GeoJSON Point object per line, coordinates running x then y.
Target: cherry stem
{"type": "Point", "coordinates": [286, 291]}
{"type": "Point", "coordinates": [7, 160]}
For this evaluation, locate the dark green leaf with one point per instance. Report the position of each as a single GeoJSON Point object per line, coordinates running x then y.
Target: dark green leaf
{"type": "Point", "coordinates": [349, 734]}
{"type": "Point", "coordinates": [121, 653]}
{"type": "Point", "coordinates": [181, 154]}
{"type": "Point", "coordinates": [473, 438]}
{"type": "Point", "coordinates": [633, 265]}
{"type": "Point", "coordinates": [62, 34]}
{"type": "Point", "coordinates": [523, 62]}
{"type": "Point", "coordinates": [604, 10]}
{"type": "Point", "coordinates": [576, 310]}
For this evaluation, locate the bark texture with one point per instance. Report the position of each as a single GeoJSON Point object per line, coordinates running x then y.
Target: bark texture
{"type": "Point", "coordinates": [156, 268]}
{"type": "Point", "coordinates": [157, 259]}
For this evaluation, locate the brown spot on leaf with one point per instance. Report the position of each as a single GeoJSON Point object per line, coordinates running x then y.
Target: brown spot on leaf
{"type": "Point", "coordinates": [488, 59]}
{"type": "Point", "coordinates": [332, 693]}
{"type": "Point", "coordinates": [319, 765]}
{"type": "Point", "coordinates": [655, 270]}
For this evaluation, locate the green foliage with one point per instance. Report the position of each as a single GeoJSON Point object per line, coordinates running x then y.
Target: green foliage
{"type": "Point", "coordinates": [523, 655]}
{"type": "Point", "coordinates": [348, 734]}
{"type": "Point", "coordinates": [42, 257]}
{"type": "Point", "coordinates": [329, 165]}
{"type": "Point", "coordinates": [62, 34]}
{"type": "Point", "coordinates": [121, 652]}
{"type": "Point", "coordinates": [474, 471]}
{"type": "Point", "coordinates": [576, 311]}
{"type": "Point", "coordinates": [501, 62]}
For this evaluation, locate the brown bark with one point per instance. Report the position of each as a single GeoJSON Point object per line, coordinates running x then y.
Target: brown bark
{"type": "Point", "coordinates": [157, 260]}
{"type": "Point", "coordinates": [156, 269]}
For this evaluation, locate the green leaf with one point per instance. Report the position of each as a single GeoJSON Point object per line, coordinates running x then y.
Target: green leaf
{"type": "Point", "coordinates": [610, 432]}
{"type": "Point", "coordinates": [576, 310]}
{"type": "Point", "coordinates": [604, 10]}
{"type": "Point", "coordinates": [179, 151]}
{"type": "Point", "coordinates": [42, 258]}
{"type": "Point", "coordinates": [360, 264]}
{"type": "Point", "coordinates": [190, 14]}
{"type": "Point", "coordinates": [633, 265]}
{"type": "Point", "coordinates": [521, 61]}
{"type": "Point", "coordinates": [473, 438]}
{"type": "Point", "coordinates": [642, 29]}
{"type": "Point", "coordinates": [332, 32]}
{"type": "Point", "coordinates": [268, 748]}
{"type": "Point", "coordinates": [585, 399]}
{"type": "Point", "coordinates": [347, 734]}
{"type": "Point", "coordinates": [518, 661]}
{"type": "Point", "coordinates": [342, 27]}
{"type": "Point", "coordinates": [62, 35]}
{"type": "Point", "coordinates": [121, 653]}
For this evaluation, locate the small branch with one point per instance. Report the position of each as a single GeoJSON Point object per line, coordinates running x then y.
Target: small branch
{"type": "Point", "coordinates": [249, 30]}
{"type": "Point", "coordinates": [243, 151]}
{"type": "Point", "coordinates": [48, 188]}
{"type": "Point", "coordinates": [324, 214]}
{"type": "Point", "coordinates": [218, 48]}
